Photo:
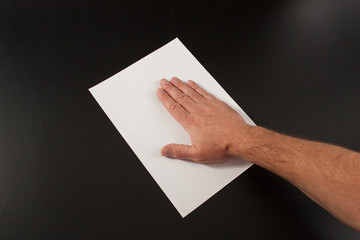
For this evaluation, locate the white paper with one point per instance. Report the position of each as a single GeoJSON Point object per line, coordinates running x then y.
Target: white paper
{"type": "Point", "coordinates": [129, 100]}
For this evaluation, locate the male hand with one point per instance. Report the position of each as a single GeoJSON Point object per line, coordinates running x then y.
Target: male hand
{"type": "Point", "coordinates": [214, 128]}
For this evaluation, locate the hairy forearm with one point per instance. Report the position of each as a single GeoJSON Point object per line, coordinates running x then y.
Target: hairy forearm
{"type": "Point", "coordinates": [328, 174]}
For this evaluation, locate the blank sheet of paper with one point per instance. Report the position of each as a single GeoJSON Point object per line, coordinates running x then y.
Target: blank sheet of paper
{"type": "Point", "coordinates": [129, 100]}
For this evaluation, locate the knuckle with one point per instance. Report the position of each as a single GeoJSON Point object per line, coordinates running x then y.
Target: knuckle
{"type": "Point", "coordinates": [192, 95]}
{"type": "Point", "coordinates": [208, 95]}
{"type": "Point", "coordinates": [181, 98]}
{"type": "Point", "coordinates": [173, 107]}
{"type": "Point", "coordinates": [197, 88]}
{"type": "Point", "coordinates": [177, 153]}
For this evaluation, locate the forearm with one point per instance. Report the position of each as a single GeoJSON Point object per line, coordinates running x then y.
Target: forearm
{"type": "Point", "coordinates": [328, 174]}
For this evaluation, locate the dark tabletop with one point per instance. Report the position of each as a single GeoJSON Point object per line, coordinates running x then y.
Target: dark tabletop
{"type": "Point", "coordinates": [66, 173]}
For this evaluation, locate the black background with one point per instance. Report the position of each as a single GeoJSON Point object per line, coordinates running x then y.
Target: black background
{"type": "Point", "coordinates": [66, 173]}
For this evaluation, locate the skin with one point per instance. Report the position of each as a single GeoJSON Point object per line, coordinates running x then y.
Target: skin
{"type": "Point", "coordinates": [328, 174]}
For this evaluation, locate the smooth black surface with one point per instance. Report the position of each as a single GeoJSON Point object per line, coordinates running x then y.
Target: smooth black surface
{"type": "Point", "coordinates": [66, 173]}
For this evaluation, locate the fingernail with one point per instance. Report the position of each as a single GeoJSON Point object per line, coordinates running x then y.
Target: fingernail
{"type": "Point", "coordinates": [174, 80]}
{"type": "Point", "coordinates": [166, 152]}
{"type": "Point", "coordinates": [164, 81]}
{"type": "Point", "coordinates": [161, 91]}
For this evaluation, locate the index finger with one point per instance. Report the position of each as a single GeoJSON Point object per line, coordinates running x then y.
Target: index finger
{"type": "Point", "coordinates": [174, 108]}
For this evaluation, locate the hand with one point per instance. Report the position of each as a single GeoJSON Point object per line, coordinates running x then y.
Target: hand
{"type": "Point", "coordinates": [214, 128]}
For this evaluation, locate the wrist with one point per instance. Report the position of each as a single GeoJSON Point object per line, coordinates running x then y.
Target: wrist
{"type": "Point", "coordinates": [244, 139]}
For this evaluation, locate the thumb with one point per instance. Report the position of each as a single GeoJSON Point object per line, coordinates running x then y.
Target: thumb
{"type": "Point", "coordinates": [179, 151]}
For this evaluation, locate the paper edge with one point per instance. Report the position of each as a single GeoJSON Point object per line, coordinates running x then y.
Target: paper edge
{"type": "Point", "coordinates": [174, 40]}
